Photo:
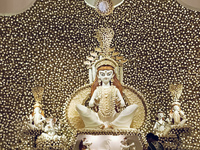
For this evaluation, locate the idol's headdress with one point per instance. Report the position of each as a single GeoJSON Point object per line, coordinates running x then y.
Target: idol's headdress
{"type": "Point", "coordinates": [160, 111]}
{"type": "Point", "coordinates": [37, 105]}
{"type": "Point", "coordinates": [105, 55]}
{"type": "Point", "coordinates": [37, 93]}
{"type": "Point", "coordinates": [176, 91]}
{"type": "Point", "coordinates": [106, 61]}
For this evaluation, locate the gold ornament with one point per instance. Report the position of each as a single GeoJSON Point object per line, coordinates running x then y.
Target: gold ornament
{"type": "Point", "coordinates": [37, 93]}
{"type": "Point", "coordinates": [106, 61]}
{"type": "Point", "coordinates": [104, 7]}
{"type": "Point", "coordinates": [99, 81]}
{"type": "Point", "coordinates": [104, 37]}
{"type": "Point", "coordinates": [176, 90]}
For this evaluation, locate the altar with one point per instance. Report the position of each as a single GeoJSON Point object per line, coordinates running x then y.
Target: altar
{"type": "Point", "coordinates": [109, 142]}
{"type": "Point", "coordinates": [104, 73]}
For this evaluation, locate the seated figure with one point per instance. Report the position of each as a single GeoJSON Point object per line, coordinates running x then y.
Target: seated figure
{"type": "Point", "coordinates": [160, 123]}
{"type": "Point", "coordinates": [50, 139]}
{"type": "Point", "coordinates": [37, 118]}
{"type": "Point", "coordinates": [161, 127]}
{"type": "Point", "coordinates": [50, 129]}
{"type": "Point", "coordinates": [106, 100]}
{"type": "Point", "coordinates": [177, 116]}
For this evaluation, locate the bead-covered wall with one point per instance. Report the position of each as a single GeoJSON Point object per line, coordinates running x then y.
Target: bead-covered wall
{"type": "Point", "coordinates": [47, 45]}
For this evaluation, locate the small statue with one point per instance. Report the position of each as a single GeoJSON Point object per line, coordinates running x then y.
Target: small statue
{"type": "Point", "coordinates": [176, 115]}
{"type": "Point", "coordinates": [37, 118]}
{"type": "Point", "coordinates": [50, 138]}
{"type": "Point", "coordinates": [161, 127]}
{"type": "Point", "coordinates": [51, 128]}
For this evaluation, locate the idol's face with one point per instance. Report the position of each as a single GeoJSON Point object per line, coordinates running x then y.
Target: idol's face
{"type": "Point", "coordinates": [176, 108]}
{"type": "Point", "coordinates": [105, 75]}
{"type": "Point", "coordinates": [160, 116]}
{"type": "Point", "coordinates": [37, 110]}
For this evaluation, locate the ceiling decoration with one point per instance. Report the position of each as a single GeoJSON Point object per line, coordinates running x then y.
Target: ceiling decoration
{"type": "Point", "coordinates": [104, 7]}
{"type": "Point", "coordinates": [13, 7]}
{"type": "Point", "coordinates": [190, 4]}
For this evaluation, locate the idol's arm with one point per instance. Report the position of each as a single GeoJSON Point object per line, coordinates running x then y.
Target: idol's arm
{"type": "Point", "coordinates": [92, 100]}
{"type": "Point", "coordinates": [120, 98]}
{"type": "Point", "coordinates": [31, 118]}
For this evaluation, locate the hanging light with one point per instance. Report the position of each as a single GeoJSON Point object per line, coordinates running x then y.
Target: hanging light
{"type": "Point", "coordinates": [104, 7]}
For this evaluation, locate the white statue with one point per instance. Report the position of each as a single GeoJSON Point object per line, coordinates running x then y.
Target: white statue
{"type": "Point", "coordinates": [51, 129]}
{"type": "Point", "coordinates": [37, 118]}
{"type": "Point", "coordinates": [106, 100]}
{"type": "Point", "coordinates": [177, 116]}
{"type": "Point", "coordinates": [161, 127]}
{"type": "Point", "coordinates": [160, 123]}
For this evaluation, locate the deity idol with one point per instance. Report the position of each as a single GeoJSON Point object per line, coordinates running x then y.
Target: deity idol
{"type": "Point", "coordinates": [177, 116]}
{"type": "Point", "coordinates": [37, 117]}
{"type": "Point", "coordinates": [161, 127]}
{"type": "Point", "coordinates": [160, 123]}
{"type": "Point", "coordinates": [106, 100]}
{"type": "Point", "coordinates": [51, 129]}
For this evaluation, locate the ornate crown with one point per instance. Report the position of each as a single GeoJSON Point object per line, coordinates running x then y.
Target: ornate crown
{"type": "Point", "coordinates": [104, 37]}
{"type": "Point", "coordinates": [37, 93]}
{"type": "Point", "coordinates": [106, 61]}
{"type": "Point", "coordinates": [37, 105]}
{"type": "Point", "coordinates": [107, 54]}
{"type": "Point", "coordinates": [176, 91]}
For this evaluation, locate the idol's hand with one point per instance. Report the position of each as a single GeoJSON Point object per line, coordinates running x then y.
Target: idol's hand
{"type": "Point", "coordinates": [97, 101]}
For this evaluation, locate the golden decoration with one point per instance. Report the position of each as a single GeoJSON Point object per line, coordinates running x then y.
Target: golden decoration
{"type": "Point", "coordinates": [104, 7]}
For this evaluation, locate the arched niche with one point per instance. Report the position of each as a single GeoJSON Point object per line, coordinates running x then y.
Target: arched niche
{"type": "Point", "coordinates": [190, 4]}
{"type": "Point", "coordinates": [14, 7]}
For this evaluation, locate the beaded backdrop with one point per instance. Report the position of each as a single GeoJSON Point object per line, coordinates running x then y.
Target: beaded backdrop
{"type": "Point", "coordinates": [47, 45]}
